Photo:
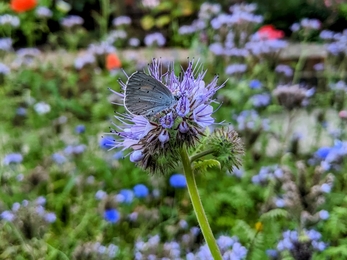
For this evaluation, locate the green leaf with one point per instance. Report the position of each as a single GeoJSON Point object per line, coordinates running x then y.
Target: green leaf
{"type": "Point", "coordinates": [147, 22]}
{"type": "Point", "coordinates": [201, 166]}
{"type": "Point", "coordinates": [163, 20]}
{"type": "Point", "coordinates": [274, 214]}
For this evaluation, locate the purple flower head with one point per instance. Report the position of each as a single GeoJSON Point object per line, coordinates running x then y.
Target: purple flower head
{"type": "Point", "coordinates": [154, 137]}
{"type": "Point", "coordinates": [326, 35]}
{"type": "Point", "coordinates": [4, 69]}
{"type": "Point", "coordinates": [59, 158]}
{"type": "Point", "coordinates": [75, 149]}
{"type": "Point", "coordinates": [326, 188]}
{"type": "Point", "coordinates": [235, 69]}
{"type": "Point", "coordinates": [50, 217]}
{"type": "Point", "coordinates": [285, 69]}
{"type": "Point", "coordinates": [141, 191]}
{"type": "Point", "coordinates": [217, 48]}
{"type": "Point", "coordinates": [311, 24]}
{"type": "Point", "coordinates": [178, 181]}
{"type": "Point", "coordinates": [5, 44]}
{"type": "Point", "coordinates": [134, 42]}
{"type": "Point", "coordinates": [318, 67]}
{"type": "Point", "coordinates": [128, 196]}
{"type": "Point", "coordinates": [83, 60]}
{"type": "Point", "coordinates": [121, 20]}
{"type": "Point", "coordinates": [323, 214]}
{"type": "Point", "coordinates": [255, 84]}
{"type": "Point", "coordinates": [43, 12]}
{"type": "Point", "coordinates": [12, 158]}
{"type": "Point", "coordinates": [9, 20]}
{"type": "Point", "coordinates": [111, 215]}
{"type": "Point", "coordinates": [261, 100]}
{"type": "Point", "coordinates": [71, 21]}
{"type": "Point", "coordinates": [157, 39]}
{"type": "Point", "coordinates": [80, 129]}
{"type": "Point", "coordinates": [295, 27]}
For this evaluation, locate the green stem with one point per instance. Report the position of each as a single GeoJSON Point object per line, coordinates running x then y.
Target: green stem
{"type": "Point", "coordinates": [197, 206]}
{"type": "Point", "coordinates": [202, 154]}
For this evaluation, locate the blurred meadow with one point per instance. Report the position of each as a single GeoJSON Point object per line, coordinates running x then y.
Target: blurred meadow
{"type": "Point", "coordinates": [72, 189]}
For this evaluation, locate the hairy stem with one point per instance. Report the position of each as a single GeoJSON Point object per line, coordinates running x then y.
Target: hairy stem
{"type": "Point", "coordinates": [197, 206]}
{"type": "Point", "coordinates": [199, 155]}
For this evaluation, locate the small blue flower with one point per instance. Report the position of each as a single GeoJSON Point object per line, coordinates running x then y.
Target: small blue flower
{"type": "Point", "coordinates": [58, 158]}
{"type": "Point", "coordinates": [128, 195]}
{"type": "Point", "coordinates": [326, 188]}
{"type": "Point", "coordinates": [80, 129]}
{"type": "Point", "coordinates": [261, 100]}
{"type": "Point", "coordinates": [106, 142]}
{"type": "Point", "coordinates": [21, 111]}
{"type": "Point", "coordinates": [323, 214]}
{"type": "Point", "coordinates": [178, 181]}
{"type": "Point", "coordinates": [141, 191]}
{"type": "Point", "coordinates": [13, 158]}
{"type": "Point", "coordinates": [255, 84]}
{"type": "Point", "coordinates": [111, 215]}
{"type": "Point", "coordinates": [272, 253]}
{"type": "Point", "coordinates": [323, 152]}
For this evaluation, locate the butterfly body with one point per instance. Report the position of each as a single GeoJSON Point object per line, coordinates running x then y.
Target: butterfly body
{"type": "Point", "coordinates": [144, 95]}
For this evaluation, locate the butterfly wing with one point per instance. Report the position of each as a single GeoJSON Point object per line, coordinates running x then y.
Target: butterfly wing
{"type": "Point", "coordinates": [144, 95]}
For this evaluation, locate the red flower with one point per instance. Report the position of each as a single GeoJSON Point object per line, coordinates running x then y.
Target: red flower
{"type": "Point", "coordinates": [270, 32]}
{"type": "Point", "coordinates": [113, 62]}
{"type": "Point", "coordinates": [20, 6]}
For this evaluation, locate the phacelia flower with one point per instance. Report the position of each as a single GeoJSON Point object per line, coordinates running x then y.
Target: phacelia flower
{"type": "Point", "coordinates": [155, 140]}
{"type": "Point", "coordinates": [12, 158]}
{"type": "Point", "coordinates": [111, 215]}
{"type": "Point", "coordinates": [43, 12]}
{"type": "Point", "coordinates": [155, 39]}
{"type": "Point", "coordinates": [80, 129]}
{"type": "Point", "coordinates": [178, 181]}
{"type": "Point", "coordinates": [140, 191]}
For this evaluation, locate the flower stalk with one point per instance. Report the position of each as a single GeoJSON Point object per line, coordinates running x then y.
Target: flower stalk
{"type": "Point", "coordinates": [197, 205]}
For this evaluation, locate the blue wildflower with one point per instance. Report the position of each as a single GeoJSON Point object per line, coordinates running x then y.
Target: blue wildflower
{"type": "Point", "coordinates": [323, 152]}
{"type": "Point", "coordinates": [80, 129]}
{"type": "Point", "coordinates": [261, 100]}
{"type": "Point", "coordinates": [58, 158]}
{"type": "Point", "coordinates": [111, 215]}
{"type": "Point", "coordinates": [12, 158]}
{"type": "Point", "coordinates": [128, 195]}
{"type": "Point", "coordinates": [141, 191]}
{"type": "Point", "coordinates": [323, 214]}
{"type": "Point", "coordinates": [106, 142]}
{"type": "Point", "coordinates": [178, 181]}
{"type": "Point", "coordinates": [255, 84]}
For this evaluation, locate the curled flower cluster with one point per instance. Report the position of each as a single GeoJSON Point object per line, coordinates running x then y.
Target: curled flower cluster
{"type": "Point", "coordinates": [31, 218]}
{"type": "Point", "coordinates": [300, 245]}
{"type": "Point", "coordinates": [95, 250]}
{"type": "Point", "coordinates": [156, 140]}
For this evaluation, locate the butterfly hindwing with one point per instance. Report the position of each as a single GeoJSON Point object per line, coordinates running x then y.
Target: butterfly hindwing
{"type": "Point", "coordinates": [144, 95]}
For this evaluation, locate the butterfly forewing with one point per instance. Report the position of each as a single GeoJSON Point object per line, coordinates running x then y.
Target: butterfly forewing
{"type": "Point", "coordinates": [144, 95]}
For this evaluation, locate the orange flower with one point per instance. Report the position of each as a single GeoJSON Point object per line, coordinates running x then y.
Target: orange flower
{"type": "Point", "coordinates": [270, 32]}
{"type": "Point", "coordinates": [113, 62]}
{"type": "Point", "coordinates": [20, 6]}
